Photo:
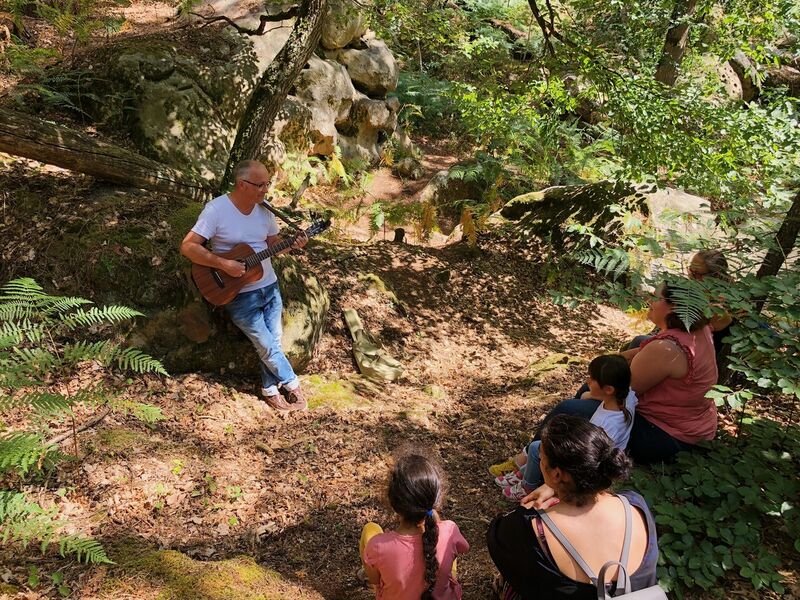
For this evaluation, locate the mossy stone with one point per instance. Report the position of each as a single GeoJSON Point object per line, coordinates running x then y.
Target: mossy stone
{"type": "Point", "coordinates": [176, 576]}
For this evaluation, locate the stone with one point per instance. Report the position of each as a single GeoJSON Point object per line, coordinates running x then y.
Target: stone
{"type": "Point", "coordinates": [325, 88]}
{"type": "Point", "coordinates": [444, 191]}
{"type": "Point", "coordinates": [196, 337]}
{"type": "Point", "coordinates": [546, 213]}
{"type": "Point", "coordinates": [373, 70]}
{"type": "Point", "coordinates": [787, 76]}
{"type": "Point", "coordinates": [343, 24]}
{"type": "Point", "coordinates": [368, 119]}
{"type": "Point", "coordinates": [408, 167]}
{"type": "Point", "coordinates": [180, 108]}
{"type": "Point", "coordinates": [290, 132]}
{"type": "Point", "coordinates": [747, 73]}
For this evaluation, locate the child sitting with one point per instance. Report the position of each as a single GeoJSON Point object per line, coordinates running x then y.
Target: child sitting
{"type": "Point", "coordinates": [609, 381]}
{"type": "Point", "coordinates": [417, 561]}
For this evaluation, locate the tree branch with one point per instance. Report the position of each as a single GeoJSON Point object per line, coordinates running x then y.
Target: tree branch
{"type": "Point", "coordinates": [57, 439]}
{"type": "Point", "coordinates": [263, 20]}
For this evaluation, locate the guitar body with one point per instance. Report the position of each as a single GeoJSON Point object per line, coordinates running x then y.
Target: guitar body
{"type": "Point", "coordinates": [217, 286]}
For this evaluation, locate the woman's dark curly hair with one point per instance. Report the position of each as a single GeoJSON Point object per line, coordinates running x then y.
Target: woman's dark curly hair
{"type": "Point", "coordinates": [416, 490]}
{"type": "Point", "coordinates": [586, 453]}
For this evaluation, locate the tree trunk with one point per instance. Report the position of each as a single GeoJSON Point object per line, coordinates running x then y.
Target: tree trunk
{"type": "Point", "coordinates": [31, 137]}
{"type": "Point", "coordinates": [675, 43]}
{"type": "Point", "coordinates": [274, 85]}
{"type": "Point", "coordinates": [785, 239]}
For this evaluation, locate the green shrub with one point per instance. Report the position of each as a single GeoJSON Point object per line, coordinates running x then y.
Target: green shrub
{"type": "Point", "coordinates": [727, 509]}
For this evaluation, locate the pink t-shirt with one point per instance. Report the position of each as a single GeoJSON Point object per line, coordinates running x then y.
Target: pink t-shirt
{"type": "Point", "coordinates": [399, 560]}
{"type": "Point", "coordinates": [680, 406]}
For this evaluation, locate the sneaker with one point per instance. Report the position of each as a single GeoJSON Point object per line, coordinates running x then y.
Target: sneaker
{"type": "Point", "coordinates": [503, 468]}
{"type": "Point", "coordinates": [278, 403]}
{"type": "Point", "coordinates": [296, 399]}
{"type": "Point", "coordinates": [509, 479]}
{"type": "Point", "coordinates": [515, 492]}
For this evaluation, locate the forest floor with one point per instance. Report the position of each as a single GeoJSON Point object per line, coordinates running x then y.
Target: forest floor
{"type": "Point", "coordinates": [248, 503]}
{"type": "Point", "coordinates": [223, 476]}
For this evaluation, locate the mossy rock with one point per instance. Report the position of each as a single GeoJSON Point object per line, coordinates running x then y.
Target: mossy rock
{"type": "Point", "coordinates": [197, 337]}
{"type": "Point", "coordinates": [544, 367]}
{"type": "Point", "coordinates": [338, 393]}
{"type": "Point", "coordinates": [171, 575]}
{"type": "Point", "coordinates": [548, 212]}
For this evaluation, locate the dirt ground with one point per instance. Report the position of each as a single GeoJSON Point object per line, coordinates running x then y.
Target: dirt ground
{"type": "Point", "coordinates": [224, 475]}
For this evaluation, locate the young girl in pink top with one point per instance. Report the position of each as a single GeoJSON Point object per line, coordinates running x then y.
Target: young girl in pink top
{"type": "Point", "coordinates": [417, 561]}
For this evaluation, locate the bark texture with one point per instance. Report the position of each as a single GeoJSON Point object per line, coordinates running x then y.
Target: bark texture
{"type": "Point", "coordinates": [275, 83]}
{"type": "Point", "coordinates": [785, 240]}
{"type": "Point", "coordinates": [31, 137]}
{"type": "Point", "coordinates": [675, 42]}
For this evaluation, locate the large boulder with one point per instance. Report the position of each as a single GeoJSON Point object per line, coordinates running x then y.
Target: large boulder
{"type": "Point", "coordinates": [195, 337]}
{"type": "Point", "coordinates": [373, 68]}
{"type": "Point", "coordinates": [367, 121]}
{"type": "Point", "coordinates": [343, 24]}
{"type": "Point", "coordinates": [325, 87]}
{"type": "Point", "coordinates": [747, 73]}
{"type": "Point", "coordinates": [290, 133]}
{"type": "Point", "coordinates": [674, 215]}
{"type": "Point", "coordinates": [179, 97]}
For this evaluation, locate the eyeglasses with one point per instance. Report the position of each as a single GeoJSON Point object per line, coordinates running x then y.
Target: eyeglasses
{"type": "Point", "coordinates": [260, 186]}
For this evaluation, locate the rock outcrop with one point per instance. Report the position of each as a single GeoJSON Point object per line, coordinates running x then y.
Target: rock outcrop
{"type": "Point", "coordinates": [181, 97]}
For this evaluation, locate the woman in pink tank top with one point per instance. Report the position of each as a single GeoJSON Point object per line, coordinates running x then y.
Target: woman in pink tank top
{"type": "Point", "coordinates": [671, 374]}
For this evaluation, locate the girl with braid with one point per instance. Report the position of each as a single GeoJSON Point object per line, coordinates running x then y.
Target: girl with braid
{"type": "Point", "coordinates": [417, 561]}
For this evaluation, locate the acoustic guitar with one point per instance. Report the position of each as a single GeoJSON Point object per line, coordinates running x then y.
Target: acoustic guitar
{"type": "Point", "coordinates": [219, 288]}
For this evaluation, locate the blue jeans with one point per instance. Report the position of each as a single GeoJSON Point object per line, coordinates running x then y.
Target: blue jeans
{"type": "Point", "coordinates": [533, 472]}
{"type": "Point", "coordinates": [258, 314]}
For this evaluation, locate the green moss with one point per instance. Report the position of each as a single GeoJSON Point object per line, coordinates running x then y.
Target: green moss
{"type": "Point", "coordinates": [176, 576]}
{"type": "Point", "coordinates": [7, 588]}
{"type": "Point", "coordinates": [122, 441]}
{"type": "Point", "coordinates": [336, 393]}
{"type": "Point", "coordinates": [550, 363]}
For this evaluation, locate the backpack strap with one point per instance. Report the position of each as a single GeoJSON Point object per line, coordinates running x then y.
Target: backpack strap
{"type": "Point", "coordinates": [623, 581]}
{"type": "Point", "coordinates": [622, 578]}
{"type": "Point", "coordinates": [568, 547]}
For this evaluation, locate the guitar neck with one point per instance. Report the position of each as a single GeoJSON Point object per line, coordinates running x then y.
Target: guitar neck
{"type": "Point", "coordinates": [255, 259]}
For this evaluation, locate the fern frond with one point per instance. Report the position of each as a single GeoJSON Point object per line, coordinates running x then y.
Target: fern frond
{"type": "Point", "coordinates": [102, 351]}
{"type": "Point", "coordinates": [22, 289]}
{"type": "Point", "coordinates": [139, 362]}
{"type": "Point", "coordinates": [22, 520]}
{"type": "Point", "coordinates": [607, 261]}
{"type": "Point", "coordinates": [96, 315]}
{"type": "Point", "coordinates": [85, 549]}
{"type": "Point", "coordinates": [21, 451]}
{"type": "Point", "coordinates": [15, 310]}
{"type": "Point", "coordinates": [689, 300]}
{"type": "Point", "coordinates": [43, 402]}
{"type": "Point", "coordinates": [63, 304]}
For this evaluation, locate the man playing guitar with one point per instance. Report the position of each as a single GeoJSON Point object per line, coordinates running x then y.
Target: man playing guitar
{"type": "Point", "coordinates": [236, 218]}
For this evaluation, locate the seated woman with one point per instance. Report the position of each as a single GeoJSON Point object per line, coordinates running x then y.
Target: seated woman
{"type": "Point", "coordinates": [671, 374]}
{"type": "Point", "coordinates": [712, 263]}
{"type": "Point", "coordinates": [580, 463]}
{"type": "Point", "coordinates": [705, 263]}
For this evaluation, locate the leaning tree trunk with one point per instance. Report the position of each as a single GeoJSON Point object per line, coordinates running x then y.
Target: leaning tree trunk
{"type": "Point", "coordinates": [31, 137]}
{"type": "Point", "coordinates": [785, 240]}
{"type": "Point", "coordinates": [675, 42]}
{"type": "Point", "coordinates": [274, 85]}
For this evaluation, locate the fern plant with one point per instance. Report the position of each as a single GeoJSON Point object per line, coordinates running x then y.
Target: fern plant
{"type": "Point", "coordinates": [37, 351]}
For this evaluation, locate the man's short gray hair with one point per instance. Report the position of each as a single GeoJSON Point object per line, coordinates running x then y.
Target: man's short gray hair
{"type": "Point", "coordinates": [243, 168]}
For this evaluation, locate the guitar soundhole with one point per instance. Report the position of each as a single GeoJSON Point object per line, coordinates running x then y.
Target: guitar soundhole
{"type": "Point", "coordinates": [218, 279]}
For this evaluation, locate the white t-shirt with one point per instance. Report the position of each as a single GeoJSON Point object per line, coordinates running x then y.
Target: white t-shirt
{"type": "Point", "coordinates": [225, 226]}
{"type": "Point", "coordinates": [613, 421]}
